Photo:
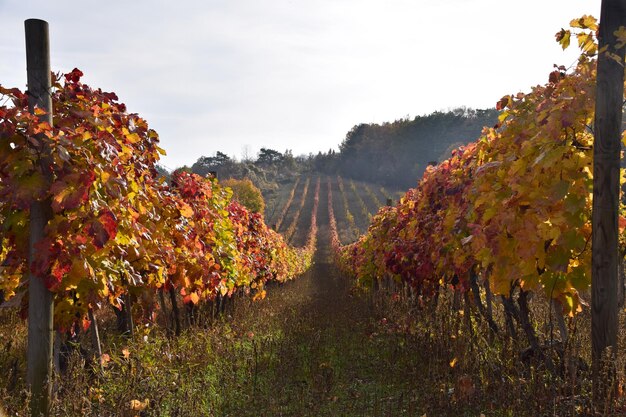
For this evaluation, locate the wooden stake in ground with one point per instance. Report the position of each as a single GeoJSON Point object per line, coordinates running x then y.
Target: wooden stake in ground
{"type": "Point", "coordinates": [40, 300]}
{"type": "Point", "coordinates": [95, 337]}
{"type": "Point", "coordinates": [606, 166]}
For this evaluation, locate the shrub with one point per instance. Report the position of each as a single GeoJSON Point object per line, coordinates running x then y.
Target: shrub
{"type": "Point", "coordinates": [246, 193]}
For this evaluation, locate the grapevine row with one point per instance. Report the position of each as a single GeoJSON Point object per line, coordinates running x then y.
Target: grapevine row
{"type": "Point", "coordinates": [118, 232]}
{"type": "Point", "coordinates": [364, 211]}
{"type": "Point", "coordinates": [294, 221]}
{"type": "Point", "coordinates": [372, 195]}
{"type": "Point", "coordinates": [349, 216]}
{"type": "Point", "coordinates": [287, 205]}
{"type": "Point", "coordinates": [335, 242]}
{"type": "Point", "coordinates": [511, 211]}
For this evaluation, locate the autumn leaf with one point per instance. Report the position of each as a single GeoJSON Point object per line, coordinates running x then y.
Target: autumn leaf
{"type": "Point", "coordinates": [503, 103]}
{"type": "Point", "coordinates": [103, 229]}
{"type": "Point", "coordinates": [185, 209]}
{"type": "Point", "coordinates": [191, 298]}
{"type": "Point", "coordinates": [137, 405]}
{"type": "Point", "coordinates": [585, 22]}
{"type": "Point", "coordinates": [74, 75]}
{"type": "Point", "coordinates": [563, 38]}
{"type": "Point", "coordinates": [71, 192]}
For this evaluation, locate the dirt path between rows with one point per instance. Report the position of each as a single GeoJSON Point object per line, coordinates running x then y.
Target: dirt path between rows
{"type": "Point", "coordinates": [323, 350]}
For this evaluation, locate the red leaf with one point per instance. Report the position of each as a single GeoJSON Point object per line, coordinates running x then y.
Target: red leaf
{"type": "Point", "coordinates": [103, 229]}
{"type": "Point", "coordinates": [74, 76]}
{"type": "Point", "coordinates": [555, 76]}
{"type": "Point", "coordinates": [86, 324]}
{"type": "Point", "coordinates": [504, 101]}
{"type": "Point", "coordinates": [59, 269]}
{"type": "Point", "coordinates": [111, 96]}
{"type": "Point", "coordinates": [72, 191]}
{"type": "Point", "coordinates": [81, 239]}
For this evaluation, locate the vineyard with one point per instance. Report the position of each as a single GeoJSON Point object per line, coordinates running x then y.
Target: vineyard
{"type": "Point", "coordinates": [117, 235]}
{"type": "Point", "coordinates": [124, 291]}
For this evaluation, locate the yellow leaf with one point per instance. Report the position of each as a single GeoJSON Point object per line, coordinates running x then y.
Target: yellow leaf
{"type": "Point", "coordinates": [585, 22]}
{"type": "Point", "coordinates": [563, 38]}
{"type": "Point", "coordinates": [122, 239]}
{"type": "Point", "coordinates": [453, 362]}
{"type": "Point", "coordinates": [185, 209]}
{"type": "Point", "coordinates": [259, 295]}
{"type": "Point", "coordinates": [133, 138]}
{"type": "Point", "coordinates": [194, 298]}
{"type": "Point", "coordinates": [137, 405]}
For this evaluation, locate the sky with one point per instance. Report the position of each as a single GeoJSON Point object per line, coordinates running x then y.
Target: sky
{"type": "Point", "coordinates": [238, 75]}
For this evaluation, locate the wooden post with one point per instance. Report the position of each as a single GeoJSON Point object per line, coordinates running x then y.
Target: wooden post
{"type": "Point", "coordinates": [175, 311]}
{"type": "Point", "coordinates": [40, 300]}
{"type": "Point", "coordinates": [606, 166]}
{"type": "Point", "coordinates": [164, 313]}
{"type": "Point", "coordinates": [128, 312]}
{"type": "Point", "coordinates": [95, 337]}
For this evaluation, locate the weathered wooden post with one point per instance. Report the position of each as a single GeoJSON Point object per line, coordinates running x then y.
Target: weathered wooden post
{"type": "Point", "coordinates": [606, 166]}
{"type": "Point", "coordinates": [40, 300]}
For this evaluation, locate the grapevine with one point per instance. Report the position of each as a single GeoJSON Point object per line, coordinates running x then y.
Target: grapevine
{"type": "Point", "coordinates": [118, 230]}
{"type": "Point", "coordinates": [512, 208]}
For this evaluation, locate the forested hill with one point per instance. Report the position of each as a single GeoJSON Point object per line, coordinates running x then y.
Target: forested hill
{"type": "Point", "coordinates": [394, 154]}
{"type": "Point", "coordinates": [397, 153]}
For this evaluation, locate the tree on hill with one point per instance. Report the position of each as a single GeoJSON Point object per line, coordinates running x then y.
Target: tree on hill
{"type": "Point", "coordinates": [269, 157]}
{"type": "Point", "coordinates": [207, 164]}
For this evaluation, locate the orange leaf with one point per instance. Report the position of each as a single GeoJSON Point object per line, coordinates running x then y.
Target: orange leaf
{"type": "Point", "coordinates": [185, 209]}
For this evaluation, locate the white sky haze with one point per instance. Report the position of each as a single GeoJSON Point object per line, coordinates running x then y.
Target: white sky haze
{"type": "Point", "coordinates": [213, 75]}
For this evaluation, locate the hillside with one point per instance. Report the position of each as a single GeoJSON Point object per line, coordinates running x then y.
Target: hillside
{"type": "Point", "coordinates": [393, 154]}
{"type": "Point", "coordinates": [397, 153]}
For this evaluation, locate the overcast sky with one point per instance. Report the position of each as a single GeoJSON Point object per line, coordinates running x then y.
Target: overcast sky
{"type": "Point", "coordinates": [227, 75]}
